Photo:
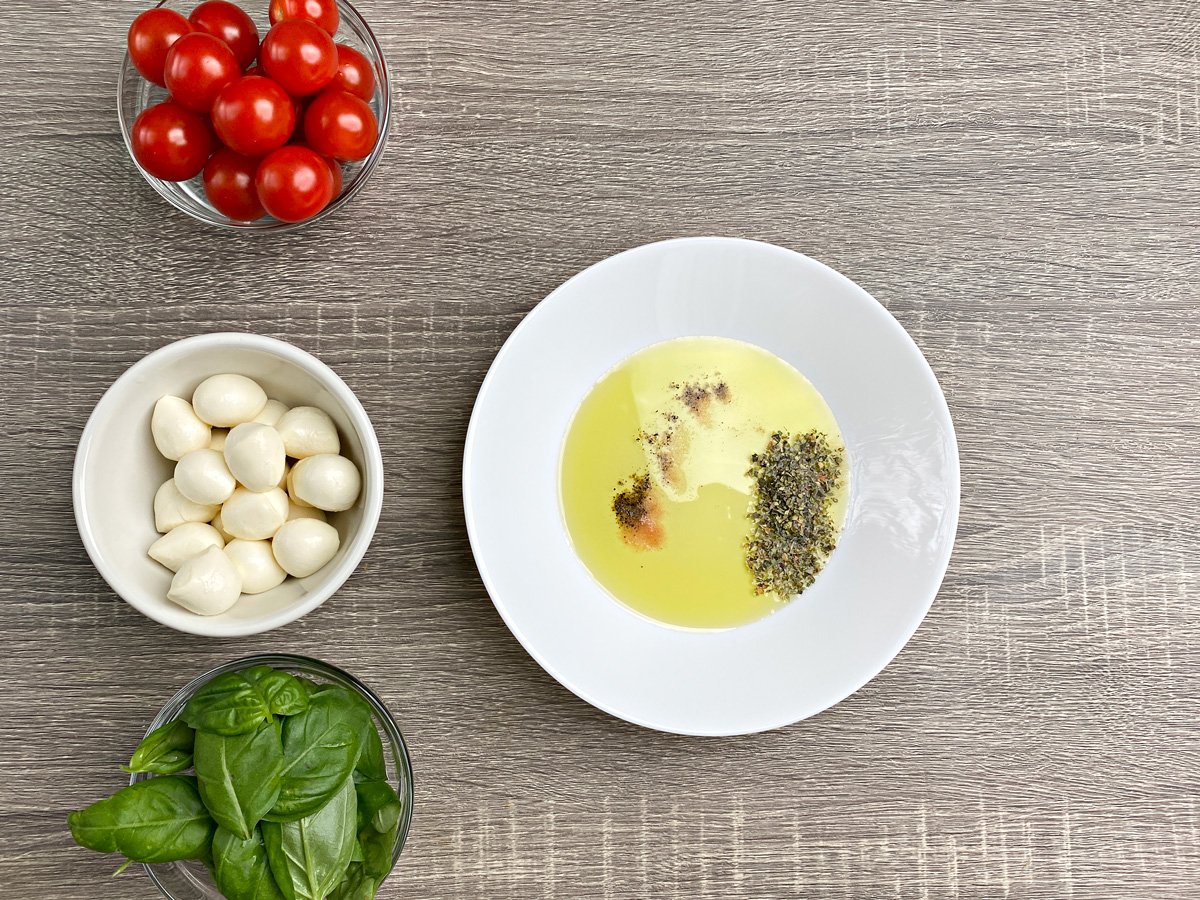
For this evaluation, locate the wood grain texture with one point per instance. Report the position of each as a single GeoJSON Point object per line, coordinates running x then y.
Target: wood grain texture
{"type": "Point", "coordinates": [1015, 181]}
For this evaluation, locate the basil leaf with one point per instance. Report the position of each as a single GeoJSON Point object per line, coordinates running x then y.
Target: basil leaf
{"type": "Point", "coordinates": [310, 686]}
{"type": "Point", "coordinates": [379, 806]}
{"type": "Point", "coordinates": [284, 693]}
{"type": "Point", "coordinates": [309, 857]}
{"type": "Point", "coordinates": [229, 704]}
{"type": "Point", "coordinates": [371, 763]}
{"type": "Point", "coordinates": [357, 885]}
{"type": "Point", "coordinates": [379, 811]}
{"type": "Point", "coordinates": [164, 751]}
{"type": "Point", "coordinates": [239, 776]}
{"type": "Point", "coordinates": [320, 749]}
{"type": "Point", "coordinates": [240, 867]}
{"type": "Point", "coordinates": [154, 821]}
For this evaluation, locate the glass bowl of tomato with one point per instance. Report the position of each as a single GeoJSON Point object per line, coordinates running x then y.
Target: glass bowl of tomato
{"type": "Point", "coordinates": [174, 121]}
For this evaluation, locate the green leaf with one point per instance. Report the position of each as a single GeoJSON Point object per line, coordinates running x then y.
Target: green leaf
{"type": "Point", "coordinates": [229, 704]}
{"type": "Point", "coordinates": [371, 763]}
{"type": "Point", "coordinates": [240, 867]}
{"type": "Point", "coordinates": [239, 775]}
{"type": "Point", "coordinates": [286, 696]}
{"type": "Point", "coordinates": [378, 822]}
{"type": "Point", "coordinates": [379, 806]}
{"type": "Point", "coordinates": [320, 749]}
{"type": "Point", "coordinates": [310, 686]}
{"type": "Point", "coordinates": [153, 821]}
{"type": "Point", "coordinates": [309, 857]}
{"type": "Point", "coordinates": [164, 751]}
{"type": "Point", "coordinates": [357, 885]}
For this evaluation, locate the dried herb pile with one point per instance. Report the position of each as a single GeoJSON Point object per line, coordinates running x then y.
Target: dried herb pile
{"type": "Point", "coordinates": [792, 531]}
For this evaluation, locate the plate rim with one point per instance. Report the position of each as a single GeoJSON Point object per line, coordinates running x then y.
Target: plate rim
{"type": "Point", "coordinates": [954, 487]}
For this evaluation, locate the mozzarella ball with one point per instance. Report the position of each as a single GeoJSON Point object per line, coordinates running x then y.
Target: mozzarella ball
{"type": "Point", "coordinates": [254, 454]}
{"type": "Point", "coordinates": [176, 428]}
{"type": "Point", "coordinates": [271, 413]}
{"type": "Point", "coordinates": [303, 546]}
{"type": "Point", "coordinates": [307, 431]}
{"type": "Point", "coordinates": [172, 509]}
{"type": "Point", "coordinates": [207, 584]}
{"type": "Point", "coordinates": [254, 516]}
{"type": "Point", "coordinates": [256, 565]}
{"type": "Point", "coordinates": [228, 400]}
{"type": "Point", "coordinates": [220, 526]}
{"type": "Point", "coordinates": [180, 544]}
{"type": "Point", "coordinates": [203, 477]}
{"type": "Point", "coordinates": [327, 482]}
{"type": "Point", "coordinates": [218, 439]}
{"type": "Point", "coordinates": [296, 511]}
{"type": "Point", "coordinates": [283, 479]}
{"type": "Point", "coordinates": [291, 490]}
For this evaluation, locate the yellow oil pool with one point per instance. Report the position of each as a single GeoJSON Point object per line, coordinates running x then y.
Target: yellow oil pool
{"type": "Point", "coordinates": [680, 420]}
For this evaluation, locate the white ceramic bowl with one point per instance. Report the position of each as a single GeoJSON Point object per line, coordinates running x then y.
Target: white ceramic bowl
{"type": "Point", "coordinates": [118, 469]}
{"type": "Point", "coordinates": [901, 518]}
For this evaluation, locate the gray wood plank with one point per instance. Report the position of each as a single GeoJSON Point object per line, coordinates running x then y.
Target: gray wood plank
{"type": "Point", "coordinates": [1015, 181]}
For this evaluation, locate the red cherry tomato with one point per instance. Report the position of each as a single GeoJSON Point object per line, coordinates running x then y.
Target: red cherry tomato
{"type": "Point", "coordinates": [335, 168]}
{"type": "Point", "coordinates": [323, 12]}
{"type": "Point", "coordinates": [300, 56]}
{"type": "Point", "coordinates": [294, 184]}
{"type": "Point", "coordinates": [228, 23]}
{"type": "Point", "coordinates": [151, 36]}
{"type": "Point", "coordinates": [341, 125]}
{"type": "Point", "coordinates": [355, 75]}
{"type": "Point", "coordinates": [229, 185]}
{"type": "Point", "coordinates": [171, 142]}
{"type": "Point", "coordinates": [198, 66]}
{"type": "Point", "coordinates": [254, 116]}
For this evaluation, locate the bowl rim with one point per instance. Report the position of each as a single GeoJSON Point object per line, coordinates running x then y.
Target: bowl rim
{"type": "Point", "coordinates": [271, 225]}
{"type": "Point", "coordinates": [174, 707]}
{"type": "Point", "coordinates": [372, 478]}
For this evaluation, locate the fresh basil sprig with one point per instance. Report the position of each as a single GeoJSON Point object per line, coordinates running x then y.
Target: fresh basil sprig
{"type": "Point", "coordinates": [290, 800]}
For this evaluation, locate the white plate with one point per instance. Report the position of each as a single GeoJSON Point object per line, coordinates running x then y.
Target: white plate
{"type": "Point", "coordinates": [900, 526]}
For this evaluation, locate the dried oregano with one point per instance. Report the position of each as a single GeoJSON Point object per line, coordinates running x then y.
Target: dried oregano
{"type": "Point", "coordinates": [792, 531]}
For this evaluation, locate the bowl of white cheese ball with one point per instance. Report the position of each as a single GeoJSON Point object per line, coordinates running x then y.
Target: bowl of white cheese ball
{"type": "Point", "coordinates": [227, 484]}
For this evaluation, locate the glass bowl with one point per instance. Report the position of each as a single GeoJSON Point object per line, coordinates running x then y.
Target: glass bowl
{"type": "Point", "coordinates": [189, 880]}
{"type": "Point", "coordinates": [135, 93]}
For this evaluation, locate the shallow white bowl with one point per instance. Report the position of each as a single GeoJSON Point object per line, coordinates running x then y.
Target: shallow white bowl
{"type": "Point", "coordinates": [901, 519]}
{"type": "Point", "coordinates": [118, 469]}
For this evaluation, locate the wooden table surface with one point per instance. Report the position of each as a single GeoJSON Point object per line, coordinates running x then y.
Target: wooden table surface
{"type": "Point", "coordinates": [1015, 181]}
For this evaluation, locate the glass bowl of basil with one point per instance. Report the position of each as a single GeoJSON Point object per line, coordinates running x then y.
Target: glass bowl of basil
{"type": "Point", "coordinates": [274, 777]}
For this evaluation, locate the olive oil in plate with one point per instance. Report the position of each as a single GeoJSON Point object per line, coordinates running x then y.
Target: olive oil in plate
{"type": "Point", "coordinates": [655, 478]}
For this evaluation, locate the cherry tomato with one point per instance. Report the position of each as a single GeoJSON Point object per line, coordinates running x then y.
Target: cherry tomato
{"type": "Point", "coordinates": [355, 74]}
{"type": "Point", "coordinates": [300, 56]}
{"type": "Point", "coordinates": [171, 142]}
{"type": "Point", "coordinates": [254, 116]}
{"type": "Point", "coordinates": [228, 23]}
{"type": "Point", "coordinates": [341, 125]}
{"type": "Point", "coordinates": [151, 36]}
{"type": "Point", "coordinates": [198, 66]}
{"type": "Point", "coordinates": [335, 167]}
{"type": "Point", "coordinates": [323, 12]}
{"type": "Point", "coordinates": [229, 185]}
{"type": "Point", "coordinates": [294, 184]}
